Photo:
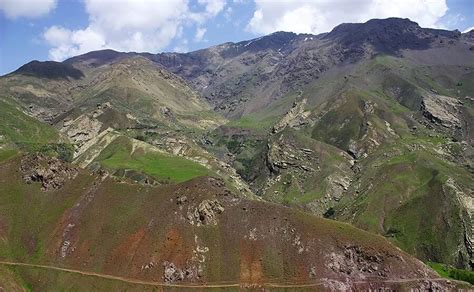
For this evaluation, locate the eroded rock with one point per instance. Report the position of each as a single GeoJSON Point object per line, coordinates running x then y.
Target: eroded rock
{"type": "Point", "coordinates": [441, 109]}
{"type": "Point", "coordinates": [354, 260]}
{"type": "Point", "coordinates": [83, 132]}
{"type": "Point", "coordinates": [206, 213]}
{"type": "Point", "coordinates": [296, 117]}
{"type": "Point", "coordinates": [51, 172]}
{"type": "Point", "coordinates": [173, 273]}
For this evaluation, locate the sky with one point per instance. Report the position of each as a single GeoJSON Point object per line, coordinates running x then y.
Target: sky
{"type": "Point", "coordinates": [58, 29]}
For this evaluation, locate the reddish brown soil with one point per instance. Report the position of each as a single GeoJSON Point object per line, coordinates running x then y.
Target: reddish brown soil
{"type": "Point", "coordinates": [127, 250]}
{"type": "Point", "coordinates": [251, 270]}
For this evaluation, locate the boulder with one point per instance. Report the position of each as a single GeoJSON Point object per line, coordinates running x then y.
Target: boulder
{"type": "Point", "coordinates": [51, 172]}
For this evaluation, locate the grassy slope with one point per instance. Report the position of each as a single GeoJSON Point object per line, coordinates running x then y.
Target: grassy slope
{"type": "Point", "coordinates": [404, 197]}
{"type": "Point", "coordinates": [23, 130]}
{"type": "Point", "coordinates": [262, 121]}
{"type": "Point", "coordinates": [342, 124]}
{"type": "Point", "coordinates": [452, 273]}
{"type": "Point", "coordinates": [156, 164]}
{"type": "Point", "coordinates": [6, 154]}
{"type": "Point", "coordinates": [43, 209]}
{"type": "Point", "coordinates": [10, 281]}
{"type": "Point", "coordinates": [417, 180]}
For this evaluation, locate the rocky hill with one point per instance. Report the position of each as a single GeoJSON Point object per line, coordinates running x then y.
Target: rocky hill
{"type": "Point", "coordinates": [370, 124]}
{"type": "Point", "coordinates": [193, 233]}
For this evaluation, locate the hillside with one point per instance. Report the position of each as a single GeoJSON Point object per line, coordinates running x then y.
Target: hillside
{"type": "Point", "coordinates": [131, 104]}
{"type": "Point", "coordinates": [370, 124]}
{"type": "Point", "coordinates": [192, 233]}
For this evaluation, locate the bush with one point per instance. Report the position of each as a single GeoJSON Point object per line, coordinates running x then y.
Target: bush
{"type": "Point", "coordinates": [63, 151]}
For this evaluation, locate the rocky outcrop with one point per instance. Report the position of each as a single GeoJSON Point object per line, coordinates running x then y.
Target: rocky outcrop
{"type": "Point", "coordinates": [295, 117]}
{"type": "Point", "coordinates": [172, 273]}
{"type": "Point", "coordinates": [355, 260]}
{"type": "Point", "coordinates": [285, 156]}
{"type": "Point", "coordinates": [166, 112]}
{"type": "Point", "coordinates": [206, 213]}
{"type": "Point", "coordinates": [51, 172]}
{"type": "Point", "coordinates": [337, 185]}
{"type": "Point", "coordinates": [443, 110]}
{"type": "Point", "coordinates": [193, 269]}
{"type": "Point", "coordinates": [41, 112]}
{"type": "Point", "coordinates": [85, 131]}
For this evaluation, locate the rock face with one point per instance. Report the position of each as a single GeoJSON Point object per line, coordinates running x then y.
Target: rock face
{"type": "Point", "coordinates": [296, 116]}
{"type": "Point", "coordinates": [380, 34]}
{"type": "Point", "coordinates": [355, 260]}
{"type": "Point", "coordinates": [206, 213]}
{"type": "Point", "coordinates": [441, 109]}
{"type": "Point", "coordinates": [82, 130]}
{"type": "Point", "coordinates": [286, 156]}
{"type": "Point", "coordinates": [51, 172]}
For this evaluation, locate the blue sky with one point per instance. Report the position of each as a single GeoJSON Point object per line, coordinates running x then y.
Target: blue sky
{"type": "Point", "coordinates": [58, 29]}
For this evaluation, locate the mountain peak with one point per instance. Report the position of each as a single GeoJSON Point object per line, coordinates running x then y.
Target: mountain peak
{"type": "Point", "coordinates": [388, 35]}
{"type": "Point", "coordinates": [49, 70]}
{"type": "Point", "coordinates": [375, 24]}
{"type": "Point", "coordinates": [97, 58]}
{"type": "Point", "coordinates": [271, 41]}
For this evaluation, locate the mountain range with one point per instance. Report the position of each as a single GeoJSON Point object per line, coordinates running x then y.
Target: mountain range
{"type": "Point", "coordinates": [244, 164]}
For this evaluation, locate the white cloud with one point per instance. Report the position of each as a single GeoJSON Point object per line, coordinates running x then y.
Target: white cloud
{"type": "Point", "coordinates": [468, 29]}
{"type": "Point", "coordinates": [57, 35]}
{"type": "Point", "coordinates": [130, 25]}
{"type": "Point", "coordinates": [213, 7]}
{"type": "Point", "coordinates": [69, 43]}
{"type": "Point", "coordinates": [26, 8]}
{"type": "Point", "coordinates": [228, 13]}
{"type": "Point", "coordinates": [318, 16]}
{"type": "Point", "coordinates": [200, 31]}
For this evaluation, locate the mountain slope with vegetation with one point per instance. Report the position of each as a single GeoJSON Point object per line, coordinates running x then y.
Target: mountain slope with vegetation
{"type": "Point", "coordinates": [369, 124]}
{"type": "Point", "coordinates": [197, 232]}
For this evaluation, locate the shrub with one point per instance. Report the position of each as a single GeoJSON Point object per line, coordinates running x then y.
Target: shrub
{"type": "Point", "coordinates": [63, 151]}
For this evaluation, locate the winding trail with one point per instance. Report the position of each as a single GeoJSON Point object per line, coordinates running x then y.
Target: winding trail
{"type": "Point", "coordinates": [215, 285]}
{"type": "Point", "coordinates": [118, 278]}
